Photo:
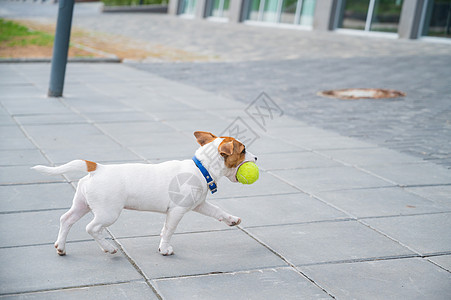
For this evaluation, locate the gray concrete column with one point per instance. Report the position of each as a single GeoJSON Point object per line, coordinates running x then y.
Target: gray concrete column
{"type": "Point", "coordinates": [410, 20]}
{"type": "Point", "coordinates": [325, 11]}
{"type": "Point", "coordinates": [173, 7]}
{"type": "Point", "coordinates": [236, 10]}
{"type": "Point", "coordinates": [201, 9]}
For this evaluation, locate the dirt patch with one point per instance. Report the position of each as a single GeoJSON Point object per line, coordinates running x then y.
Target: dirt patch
{"type": "Point", "coordinates": [96, 44]}
{"type": "Point", "coordinates": [34, 51]}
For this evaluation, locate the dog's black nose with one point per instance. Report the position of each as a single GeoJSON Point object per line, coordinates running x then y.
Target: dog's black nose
{"type": "Point", "coordinates": [256, 158]}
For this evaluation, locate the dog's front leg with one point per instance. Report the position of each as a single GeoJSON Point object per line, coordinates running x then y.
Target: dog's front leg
{"type": "Point", "coordinates": [173, 218]}
{"type": "Point", "coordinates": [213, 211]}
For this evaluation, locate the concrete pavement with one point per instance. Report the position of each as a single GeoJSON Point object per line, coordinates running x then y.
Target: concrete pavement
{"type": "Point", "coordinates": [331, 216]}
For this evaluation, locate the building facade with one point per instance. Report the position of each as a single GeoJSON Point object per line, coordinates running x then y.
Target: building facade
{"type": "Point", "coordinates": [407, 19]}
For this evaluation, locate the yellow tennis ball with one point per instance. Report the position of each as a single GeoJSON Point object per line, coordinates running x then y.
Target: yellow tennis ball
{"type": "Point", "coordinates": [247, 173]}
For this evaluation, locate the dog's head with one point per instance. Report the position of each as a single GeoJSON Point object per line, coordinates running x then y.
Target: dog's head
{"type": "Point", "coordinates": [222, 155]}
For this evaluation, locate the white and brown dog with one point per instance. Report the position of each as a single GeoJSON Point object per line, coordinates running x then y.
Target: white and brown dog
{"type": "Point", "coordinates": [172, 187]}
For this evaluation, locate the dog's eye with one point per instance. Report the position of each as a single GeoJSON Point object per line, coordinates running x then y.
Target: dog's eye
{"type": "Point", "coordinates": [244, 151]}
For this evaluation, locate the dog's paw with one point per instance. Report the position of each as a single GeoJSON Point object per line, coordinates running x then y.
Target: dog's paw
{"type": "Point", "coordinates": [110, 249]}
{"type": "Point", "coordinates": [60, 251]}
{"type": "Point", "coordinates": [165, 249]}
{"type": "Point", "coordinates": [232, 220]}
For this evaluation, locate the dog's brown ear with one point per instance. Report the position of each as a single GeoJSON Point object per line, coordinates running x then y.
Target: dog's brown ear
{"type": "Point", "coordinates": [226, 147]}
{"type": "Point", "coordinates": [204, 137]}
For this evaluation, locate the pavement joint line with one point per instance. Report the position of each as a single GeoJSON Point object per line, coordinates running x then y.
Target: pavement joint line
{"type": "Point", "coordinates": [176, 233]}
{"type": "Point", "coordinates": [255, 196]}
{"type": "Point", "coordinates": [358, 260]}
{"type": "Point", "coordinates": [45, 244]}
{"type": "Point", "coordinates": [32, 183]}
{"type": "Point", "coordinates": [382, 258]}
{"type": "Point", "coordinates": [426, 185]}
{"type": "Point", "coordinates": [284, 259]}
{"type": "Point", "coordinates": [136, 266]}
{"type": "Point", "coordinates": [302, 223]}
{"type": "Point", "coordinates": [215, 273]}
{"type": "Point", "coordinates": [32, 210]}
{"type": "Point", "coordinates": [407, 215]}
{"type": "Point", "coordinates": [68, 288]}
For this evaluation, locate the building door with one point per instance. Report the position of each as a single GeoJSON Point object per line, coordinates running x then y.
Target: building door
{"type": "Point", "coordinates": [371, 15]}
{"type": "Point", "coordinates": [296, 12]}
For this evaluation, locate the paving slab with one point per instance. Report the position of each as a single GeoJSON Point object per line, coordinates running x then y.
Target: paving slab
{"type": "Point", "coordinates": [330, 179]}
{"type": "Point", "coordinates": [437, 194]}
{"type": "Point", "coordinates": [32, 228]}
{"type": "Point", "coordinates": [132, 290]}
{"type": "Point", "coordinates": [30, 197]}
{"type": "Point", "coordinates": [54, 137]}
{"type": "Point", "coordinates": [368, 156]}
{"type": "Point", "coordinates": [200, 253]}
{"type": "Point", "coordinates": [203, 123]}
{"type": "Point", "coordinates": [138, 133]}
{"type": "Point", "coordinates": [326, 242]}
{"type": "Point", "coordinates": [407, 174]}
{"type": "Point", "coordinates": [333, 142]}
{"type": "Point", "coordinates": [119, 117]}
{"type": "Point", "coordinates": [294, 160]}
{"type": "Point", "coordinates": [411, 278]}
{"type": "Point", "coordinates": [277, 283]}
{"type": "Point", "coordinates": [443, 261]}
{"type": "Point", "coordinates": [21, 157]}
{"type": "Point", "coordinates": [24, 175]}
{"type": "Point", "coordinates": [27, 105]}
{"type": "Point", "coordinates": [98, 104]}
{"type": "Point", "coordinates": [426, 234]}
{"type": "Point", "coordinates": [38, 268]}
{"type": "Point", "coordinates": [15, 142]}
{"type": "Point", "coordinates": [50, 119]}
{"type": "Point", "coordinates": [267, 144]}
{"type": "Point", "coordinates": [363, 203]}
{"type": "Point", "coordinates": [98, 153]}
{"type": "Point", "coordinates": [278, 209]}
{"type": "Point", "coordinates": [266, 184]}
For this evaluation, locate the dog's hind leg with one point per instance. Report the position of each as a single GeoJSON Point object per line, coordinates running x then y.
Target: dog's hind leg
{"type": "Point", "coordinates": [98, 224]}
{"type": "Point", "coordinates": [76, 212]}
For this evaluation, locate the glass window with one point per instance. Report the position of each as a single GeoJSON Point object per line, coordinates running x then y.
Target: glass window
{"type": "Point", "coordinates": [254, 10]}
{"type": "Point", "coordinates": [386, 15]}
{"type": "Point", "coordinates": [282, 11]}
{"type": "Point", "coordinates": [438, 19]}
{"type": "Point", "coordinates": [354, 13]}
{"type": "Point", "coordinates": [307, 12]}
{"type": "Point", "coordinates": [288, 14]}
{"type": "Point", "coordinates": [270, 10]}
{"type": "Point", "coordinates": [371, 15]}
{"type": "Point", "coordinates": [188, 7]}
{"type": "Point", "coordinates": [219, 8]}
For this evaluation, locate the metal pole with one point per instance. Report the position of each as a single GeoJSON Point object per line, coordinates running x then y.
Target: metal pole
{"type": "Point", "coordinates": [61, 48]}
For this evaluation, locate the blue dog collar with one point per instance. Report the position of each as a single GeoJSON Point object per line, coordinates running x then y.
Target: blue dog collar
{"type": "Point", "coordinates": [210, 181]}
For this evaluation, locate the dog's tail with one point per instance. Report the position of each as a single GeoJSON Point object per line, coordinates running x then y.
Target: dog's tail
{"type": "Point", "coordinates": [73, 166]}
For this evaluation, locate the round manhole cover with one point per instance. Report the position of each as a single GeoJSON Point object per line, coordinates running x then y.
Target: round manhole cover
{"type": "Point", "coordinates": [354, 94]}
